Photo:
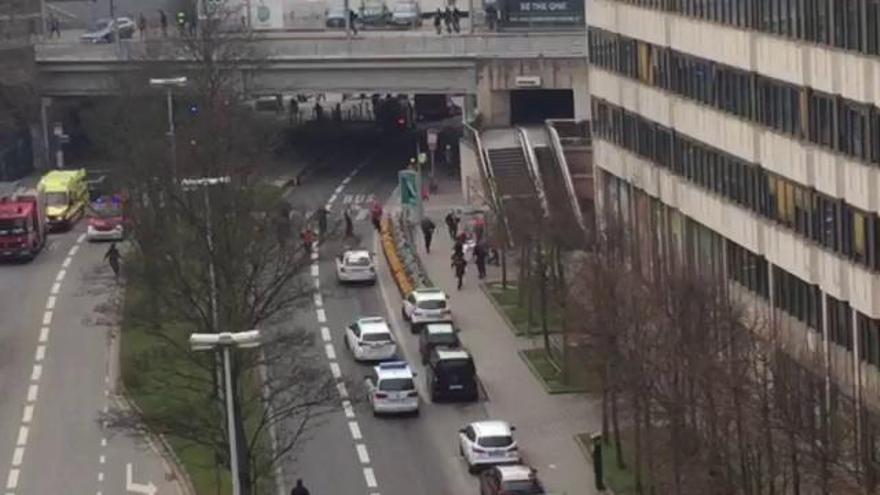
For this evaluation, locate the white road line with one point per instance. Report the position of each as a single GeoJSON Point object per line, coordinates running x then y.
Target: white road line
{"type": "Point", "coordinates": [56, 288]}
{"type": "Point", "coordinates": [343, 391]}
{"type": "Point", "coordinates": [370, 477]}
{"type": "Point", "coordinates": [347, 198]}
{"type": "Point", "coordinates": [72, 251]}
{"type": "Point", "coordinates": [317, 283]}
{"type": "Point", "coordinates": [315, 256]}
{"type": "Point", "coordinates": [319, 300]}
{"type": "Point", "coordinates": [315, 269]}
{"type": "Point", "coordinates": [44, 334]}
{"type": "Point", "coordinates": [347, 179]}
{"type": "Point", "coordinates": [100, 476]}
{"type": "Point", "coordinates": [330, 351]}
{"type": "Point", "coordinates": [339, 188]}
{"type": "Point", "coordinates": [359, 198]}
{"type": "Point", "coordinates": [33, 392]}
{"type": "Point", "coordinates": [102, 459]}
{"type": "Point", "coordinates": [12, 479]}
{"type": "Point", "coordinates": [60, 276]}
{"type": "Point", "coordinates": [322, 315]}
{"type": "Point", "coordinates": [47, 318]}
{"type": "Point", "coordinates": [355, 429]}
{"type": "Point", "coordinates": [325, 334]}
{"type": "Point", "coordinates": [349, 411]}
{"type": "Point", "coordinates": [371, 198]}
{"type": "Point", "coordinates": [23, 431]}
{"type": "Point", "coordinates": [103, 442]}
{"type": "Point", "coordinates": [334, 370]}
{"type": "Point", "coordinates": [17, 456]}
{"type": "Point", "coordinates": [37, 372]}
{"type": "Point", "coordinates": [50, 303]}
{"type": "Point", "coordinates": [361, 215]}
{"type": "Point", "coordinates": [66, 262]}
{"type": "Point", "coordinates": [28, 413]}
{"type": "Point", "coordinates": [40, 354]}
{"type": "Point", "coordinates": [363, 455]}
{"type": "Point", "coordinates": [81, 238]}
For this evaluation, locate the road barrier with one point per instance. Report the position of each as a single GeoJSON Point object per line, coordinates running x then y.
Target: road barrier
{"type": "Point", "coordinates": [398, 270]}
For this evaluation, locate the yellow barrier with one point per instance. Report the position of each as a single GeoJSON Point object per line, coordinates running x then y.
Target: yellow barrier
{"type": "Point", "coordinates": [401, 278]}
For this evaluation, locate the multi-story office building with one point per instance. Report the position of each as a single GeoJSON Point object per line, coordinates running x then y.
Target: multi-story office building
{"type": "Point", "coordinates": [747, 132]}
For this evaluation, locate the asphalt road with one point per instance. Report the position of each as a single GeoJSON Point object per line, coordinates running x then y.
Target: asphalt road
{"type": "Point", "coordinates": [405, 455]}
{"type": "Point", "coordinates": [56, 377]}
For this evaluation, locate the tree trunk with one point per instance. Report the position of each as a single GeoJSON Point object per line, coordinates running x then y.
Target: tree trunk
{"type": "Point", "coordinates": [637, 428]}
{"type": "Point", "coordinates": [615, 423]}
{"type": "Point", "coordinates": [504, 269]}
{"type": "Point", "coordinates": [244, 460]}
{"type": "Point", "coordinates": [606, 404]}
{"type": "Point", "coordinates": [542, 273]}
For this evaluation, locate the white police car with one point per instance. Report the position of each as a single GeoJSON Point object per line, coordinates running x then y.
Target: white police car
{"type": "Point", "coordinates": [391, 389]}
{"type": "Point", "coordinates": [356, 265]}
{"type": "Point", "coordinates": [487, 443]}
{"type": "Point", "coordinates": [425, 305]}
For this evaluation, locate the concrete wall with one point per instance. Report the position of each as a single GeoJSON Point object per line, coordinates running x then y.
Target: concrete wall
{"type": "Point", "coordinates": [496, 78]}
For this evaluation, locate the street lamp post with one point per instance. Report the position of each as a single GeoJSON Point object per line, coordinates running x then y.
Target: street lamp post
{"type": "Point", "coordinates": [225, 341]}
{"type": "Point", "coordinates": [169, 83]}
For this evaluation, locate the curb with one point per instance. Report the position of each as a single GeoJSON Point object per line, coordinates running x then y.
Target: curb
{"type": "Point", "coordinates": [544, 384]}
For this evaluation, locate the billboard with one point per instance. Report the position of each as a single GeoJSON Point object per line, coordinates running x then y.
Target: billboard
{"type": "Point", "coordinates": [527, 13]}
{"type": "Point", "coordinates": [267, 14]}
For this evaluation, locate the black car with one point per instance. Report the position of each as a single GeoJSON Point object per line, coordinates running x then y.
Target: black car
{"type": "Point", "coordinates": [451, 374]}
{"type": "Point", "coordinates": [435, 335]}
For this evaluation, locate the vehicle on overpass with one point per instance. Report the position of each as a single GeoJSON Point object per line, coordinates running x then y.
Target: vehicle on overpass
{"type": "Point", "coordinates": [406, 13]}
{"type": "Point", "coordinates": [335, 18]}
{"type": "Point", "coordinates": [67, 194]}
{"type": "Point", "coordinates": [106, 219]}
{"type": "Point", "coordinates": [373, 13]}
{"type": "Point", "coordinates": [22, 224]}
{"type": "Point", "coordinates": [435, 107]}
{"type": "Point", "coordinates": [105, 30]}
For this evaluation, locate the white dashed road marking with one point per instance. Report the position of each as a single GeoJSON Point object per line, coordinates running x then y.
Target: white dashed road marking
{"type": "Point", "coordinates": [363, 455]}
{"type": "Point", "coordinates": [370, 477]}
{"type": "Point", "coordinates": [355, 429]}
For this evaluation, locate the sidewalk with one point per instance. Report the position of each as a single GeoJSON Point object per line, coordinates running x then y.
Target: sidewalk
{"type": "Point", "coordinates": [545, 423]}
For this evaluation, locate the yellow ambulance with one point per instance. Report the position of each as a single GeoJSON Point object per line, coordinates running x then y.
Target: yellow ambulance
{"type": "Point", "coordinates": [66, 195]}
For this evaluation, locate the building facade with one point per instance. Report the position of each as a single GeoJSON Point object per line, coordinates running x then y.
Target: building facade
{"type": "Point", "coordinates": [748, 133]}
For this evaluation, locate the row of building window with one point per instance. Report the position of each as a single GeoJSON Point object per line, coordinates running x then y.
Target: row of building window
{"type": "Point", "coordinates": [830, 222]}
{"type": "Point", "coordinates": [833, 122]}
{"type": "Point", "coordinates": [848, 24]}
{"type": "Point", "coordinates": [700, 247]}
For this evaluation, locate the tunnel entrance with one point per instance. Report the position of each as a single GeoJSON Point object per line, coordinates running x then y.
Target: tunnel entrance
{"type": "Point", "coordinates": [534, 106]}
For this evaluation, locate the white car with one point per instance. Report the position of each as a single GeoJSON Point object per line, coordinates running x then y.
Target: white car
{"type": "Point", "coordinates": [356, 265]}
{"type": "Point", "coordinates": [391, 389]}
{"type": "Point", "coordinates": [426, 305]}
{"type": "Point", "coordinates": [370, 339]}
{"type": "Point", "coordinates": [487, 443]}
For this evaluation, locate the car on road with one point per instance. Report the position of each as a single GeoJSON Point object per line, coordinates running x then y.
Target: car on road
{"type": "Point", "coordinates": [437, 334]}
{"type": "Point", "coordinates": [105, 29]}
{"type": "Point", "coordinates": [373, 13]}
{"type": "Point", "coordinates": [488, 443]}
{"type": "Point", "coordinates": [451, 374]}
{"type": "Point", "coordinates": [356, 265]}
{"type": "Point", "coordinates": [106, 219]}
{"type": "Point", "coordinates": [335, 18]}
{"type": "Point", "coordinates": [391, 389]}
{"type": "Point", "coordinates": [406, 13]}
{"type": "Point", "coordinates": [511, 480]}
{"type": "Point", "coordinates": [370, 339]}
{"type": "Point", "coordinates": [425, 305]}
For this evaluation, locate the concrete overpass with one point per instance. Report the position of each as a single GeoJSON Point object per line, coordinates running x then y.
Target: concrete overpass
{"type": "Point", "coordinates": [404, 62]}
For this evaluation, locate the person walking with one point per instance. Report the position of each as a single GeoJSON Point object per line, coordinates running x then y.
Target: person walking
{"type": "Point", "coordinates": [491, 16]}
{"type": "Point", "coordinates": [293, 118]}
{"type": "Point", "coordinates": [447, 19]}
{"type": "Point", "coordinates": [438, 21]}
{"type": "Point", "coordinates": [322, 220]}
{"type": "Point", "coordinates": [308, 239]}
{"type": "Point", "coordinates": [458, 248]}
{"type": "Point", "coordinates": [376, 215]}
{"type": "Point", "coordinates": [54, 26]}
{"type": "Point", "coordinates": [349, 225]}
{"type": "Point", "coordinates": [319, 112]}
{"type": "Point", "coordinates": [456, 19]}
{"type": "Point", "coordinates": [452, 224]}
{"type": "Point", "coordinates": [480, 255]}
{"type": "Point", "coordinates": [352, 22]}
{"type": "Point", "coordinates": [112, 256]}
{"type": "Point", "coordinates": [299, 489]}
{"type": "Point", "coordinates": [459, 264]}
{"type": "Point", "coordinates": [428, 228]}
{"type": "Point", "coordinates": [142, 26]}
{"type": "Point", "coordinates": [163, 23]}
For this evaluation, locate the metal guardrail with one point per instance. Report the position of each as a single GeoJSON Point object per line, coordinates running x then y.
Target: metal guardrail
{"type": "Point", "coordinates": [556, 144]}
{"type": "Point", "coordinates": [533, 168]}
{"type": "Point", "coordinates": [484, 45]}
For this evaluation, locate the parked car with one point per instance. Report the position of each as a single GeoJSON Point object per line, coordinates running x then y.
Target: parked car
{"type": "Point", "coordinates": [511, 480]}
{"type": "Point", "coordinates": [335, 18]}
{"type": "Point", "coordinates": [425, 305]}
{"type": "Point", "coordinates": [104, 29]}
{"type": "Point", "coordinates": [391, 389]}
{"type": "Point", "coordinates": [373, 14]}
{"type": "Point", "coordinates": [370, 339]}
{"type": "Point", "coordinates": [435, 335]}
{"type": "Point", "coordinates": [406, 13]}
{"type": "Point", "coordinates": [487, 443]}
{"type": "Point", "coordinates": [451, 374]}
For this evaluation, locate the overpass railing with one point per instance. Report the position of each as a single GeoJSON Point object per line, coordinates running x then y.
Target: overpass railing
{"type": "Point", "coordinates": [485, 45]}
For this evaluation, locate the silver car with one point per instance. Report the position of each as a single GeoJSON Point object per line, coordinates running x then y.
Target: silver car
{"type": "Point", "coordinates": [105, 30]}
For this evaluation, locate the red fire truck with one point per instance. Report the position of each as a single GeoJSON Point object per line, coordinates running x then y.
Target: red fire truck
{"type": "Point", "coordinates": [22, 224]}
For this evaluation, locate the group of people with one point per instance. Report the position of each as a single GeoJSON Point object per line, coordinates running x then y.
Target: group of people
{"type": "Point", "coordinates": [483, 255]}
{"type": "Point", "coordinates": [450, 17]}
